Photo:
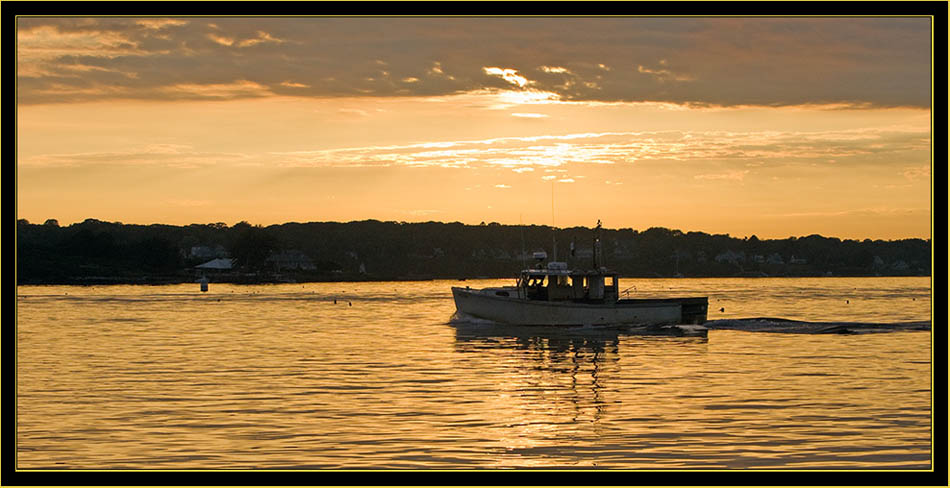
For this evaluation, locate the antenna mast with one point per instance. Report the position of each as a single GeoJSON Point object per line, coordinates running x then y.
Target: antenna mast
{"type": "Point", "coordinates": [553, 233]}
{"type": "Point", "coordinates": [524, 265]}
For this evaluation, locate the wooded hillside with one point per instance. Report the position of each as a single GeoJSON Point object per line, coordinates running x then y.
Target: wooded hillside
{"type": "Point", "coordinates": [110, 252]}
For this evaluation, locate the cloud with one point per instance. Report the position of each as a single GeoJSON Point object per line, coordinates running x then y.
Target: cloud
{"type": "Point", "coordinates": [224, 41]}
{"type": "Point", "coordinates": [237, 89]}
{"type": "Point", "coordinates": [354, 111]}
{"type": "Point", "coordinates": [524, 153]}
{"type": "Point", "coordinates": [159, 154]}
{"type": "Point", "coordinates": [663, 75]}
{"type": "Point", "coordinates": [743, 150]}
{"type": "Point", "coordinates": [159, 24]}
{"type": "Point", "coordinates": [509, 75]}
{"type": "Point", "coordinates": [914, 173]}
{"type": "Point", "coordinates": [262, 37]}
{"type": "Point", "coordinates": [424, 212]}
{"type": "Point", "coordinates": [737, 175]}
{"type": "Point", "coordinates": [879, 211]}
{"type": "Point", "coordinates": [699, 61]}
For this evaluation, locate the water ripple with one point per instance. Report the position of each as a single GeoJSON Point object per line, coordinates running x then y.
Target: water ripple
{"type": "Point", "coordinates": [280, 377]}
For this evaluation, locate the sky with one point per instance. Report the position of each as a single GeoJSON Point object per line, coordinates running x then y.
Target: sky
{"type": "Point", "coordinates": [773, 127]}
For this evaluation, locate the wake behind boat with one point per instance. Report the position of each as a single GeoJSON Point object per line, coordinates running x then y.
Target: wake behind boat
{"type": "Point", "coordinates": [552, 294]}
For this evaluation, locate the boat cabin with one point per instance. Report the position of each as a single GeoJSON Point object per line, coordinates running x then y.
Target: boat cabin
{"type": "Point", "coordinates": [557, 283]}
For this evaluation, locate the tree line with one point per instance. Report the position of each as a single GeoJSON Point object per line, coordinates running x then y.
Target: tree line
{"type": "Point", "coordinates": [95, 251]}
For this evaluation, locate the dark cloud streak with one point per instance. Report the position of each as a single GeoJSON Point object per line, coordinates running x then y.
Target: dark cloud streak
{"type": "Point", "coordinates": [707, 61]}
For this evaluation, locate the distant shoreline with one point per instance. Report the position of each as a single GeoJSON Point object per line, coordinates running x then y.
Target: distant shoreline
{"type": "Point", "coordinates": [157, 281]}
{"type": "Point", "coordinates": [96, 252]}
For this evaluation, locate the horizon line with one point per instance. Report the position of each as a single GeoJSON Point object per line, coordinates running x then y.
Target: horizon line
{"type": "Point", "coordinates": [483, 223]}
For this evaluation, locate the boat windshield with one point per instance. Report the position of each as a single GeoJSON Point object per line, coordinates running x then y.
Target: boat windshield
{"type": "Point", "coordinates": [532, 280]}
{"type": "Point", "coordinates": [551, 285]}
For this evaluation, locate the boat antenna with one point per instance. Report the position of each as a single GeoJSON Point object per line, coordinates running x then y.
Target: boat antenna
{"type": "Point", "coordinates": [524, 264]}
{"type": "Point", "coordinates": [553, 232]}
{"type": "Point", "coordinates": [597, 250]}
{"type": "Point", "coordinates": [594, 245]}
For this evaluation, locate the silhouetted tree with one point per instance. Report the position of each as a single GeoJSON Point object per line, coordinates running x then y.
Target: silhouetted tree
{"type": "Point", "coordinates": [252, 247]}
{"type": "Point", "coordinates": [157, 254]}
{"type": "Point", "coordinates": [48, 253]}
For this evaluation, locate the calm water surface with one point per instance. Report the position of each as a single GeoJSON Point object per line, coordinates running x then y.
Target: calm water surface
{"type": "Point", "coordinates": [280, 376]}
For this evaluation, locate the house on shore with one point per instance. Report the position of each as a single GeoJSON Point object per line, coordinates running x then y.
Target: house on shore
{"type": "Point", "coordinates": [291, 260]}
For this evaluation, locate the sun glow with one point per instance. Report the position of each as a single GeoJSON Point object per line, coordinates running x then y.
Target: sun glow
{"type": "Point", "coordinates": [509, 75]}
{"type": "Point", "coordinates": [233, 119]}
{"type": "Point", "coordinates": [509, 98]}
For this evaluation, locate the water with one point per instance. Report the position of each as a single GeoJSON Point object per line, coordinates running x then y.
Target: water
{"type": "Point", "coordinates": [280, 376]}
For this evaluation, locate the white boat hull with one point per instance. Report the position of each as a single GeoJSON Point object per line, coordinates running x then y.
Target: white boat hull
{"type": "Point", "coordinates": [487, 304]}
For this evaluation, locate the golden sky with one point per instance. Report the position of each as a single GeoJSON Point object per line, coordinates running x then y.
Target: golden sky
{"type": "Point", "coordinates": [775, 127]}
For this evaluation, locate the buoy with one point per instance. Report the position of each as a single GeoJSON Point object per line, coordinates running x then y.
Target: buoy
{"type": "Point", "coordinates": [350, 303]}
{"type": "Point", "coordinates": [204, 284]}
{"type": "Point", "coordinates": [723, 309]}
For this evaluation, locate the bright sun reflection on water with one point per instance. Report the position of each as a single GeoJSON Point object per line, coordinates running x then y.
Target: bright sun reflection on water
{"type": "Point", "coordinates": [283, 377]}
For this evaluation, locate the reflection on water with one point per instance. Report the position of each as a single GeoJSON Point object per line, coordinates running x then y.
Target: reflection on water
{"type": "Point", "coordinates": [570, 373]}
{"type": "Point", "coordinates": [617, 399]}
{"type": "Point", "coordinates": [579, 363]}
{"type": "Point", "coordinates": [372, 375]}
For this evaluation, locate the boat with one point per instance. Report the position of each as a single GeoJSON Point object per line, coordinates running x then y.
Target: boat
{"type": "Point", "coordinates": [550, 294]}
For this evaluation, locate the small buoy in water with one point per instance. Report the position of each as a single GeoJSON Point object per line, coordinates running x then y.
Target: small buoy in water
{"type": "Point", "coordinates": [204, 284]}
{"type": "Point", "coordinates": [334, 301]}
{"type": "Point", "coordinates": [350, 303]}
{"type": "Point", "coordinates": [723, 309]}
{"type": "Point", "coordinates": [847, 301]}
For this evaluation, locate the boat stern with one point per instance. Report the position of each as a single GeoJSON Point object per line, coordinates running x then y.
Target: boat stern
{"type": "Point", "coordinates": [694, 310]}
